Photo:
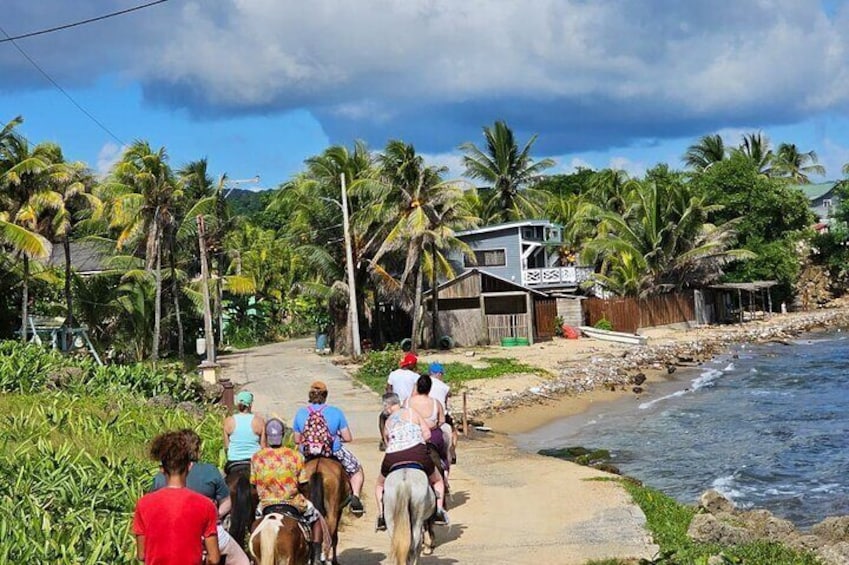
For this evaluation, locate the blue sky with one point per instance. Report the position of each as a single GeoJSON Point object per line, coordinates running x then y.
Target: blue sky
{"type": "Point", "coordinates": [257, 87]}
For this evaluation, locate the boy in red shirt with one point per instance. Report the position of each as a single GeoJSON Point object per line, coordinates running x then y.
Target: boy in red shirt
{"type": "Point", "coordinates": [173, 525]}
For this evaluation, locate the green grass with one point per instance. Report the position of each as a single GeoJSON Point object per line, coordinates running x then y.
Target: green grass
{"type": "Point", "coordinates": [379, 364]}
{"type": "Point", "coordinates": [72, 468]}
{"type": "Point", "coordinates": [668, 520]}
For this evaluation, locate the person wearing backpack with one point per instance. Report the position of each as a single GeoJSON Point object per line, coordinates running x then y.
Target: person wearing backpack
{"type": "Point", "coordinates": [320, 430]}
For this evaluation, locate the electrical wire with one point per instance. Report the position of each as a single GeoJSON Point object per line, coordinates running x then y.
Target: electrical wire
{"type": "Point", "coordinates": [82, 22]}
{"type": "Point", "coordinates": [62, 90]}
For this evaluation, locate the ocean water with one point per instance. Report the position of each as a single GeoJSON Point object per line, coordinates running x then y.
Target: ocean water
{"type": "Point", "coordinates": [766, 425]}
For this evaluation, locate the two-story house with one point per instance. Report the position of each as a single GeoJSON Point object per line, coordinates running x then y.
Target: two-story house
{"type": "Point", "coordinates": [822, 199]}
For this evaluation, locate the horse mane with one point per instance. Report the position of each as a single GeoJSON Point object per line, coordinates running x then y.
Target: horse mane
{"type": "Point", "coordinates": [240, 510]}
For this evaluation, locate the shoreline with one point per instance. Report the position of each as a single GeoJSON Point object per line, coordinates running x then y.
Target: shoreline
{"type": "Point", "coordinates": [611, 377]}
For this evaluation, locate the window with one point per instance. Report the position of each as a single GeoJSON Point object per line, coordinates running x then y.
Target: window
{"type": "Point", "coordinates": [489, 258]}
{"type": "Point", "coordinates": [826, 203]}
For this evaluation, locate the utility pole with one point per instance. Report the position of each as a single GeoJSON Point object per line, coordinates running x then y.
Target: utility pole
{"type": "Point", "coordinates": [353, 315]}
{"type": "Point", "coordinates": [207, 310]}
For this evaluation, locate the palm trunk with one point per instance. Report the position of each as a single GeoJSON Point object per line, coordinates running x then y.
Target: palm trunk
{"type": "Point", "coordinates": [417, 306]}
{"type": "Point", "coordinates": [157, 305]}
{"type": "Point", "coordinates": [25, 302]}
{"type": "Point", "coordinates": [175, 290]}
{"type": "Point", "coordinates": [69, 313]}
{"type": "Point", "coordinates": [434, 298]}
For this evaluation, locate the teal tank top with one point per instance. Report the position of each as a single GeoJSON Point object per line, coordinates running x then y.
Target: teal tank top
{"type": "Point", "coordinates": [243, 441]}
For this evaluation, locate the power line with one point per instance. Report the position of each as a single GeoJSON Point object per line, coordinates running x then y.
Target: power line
{"type": "Point", "coordinates": [62, 90]}
{"type": "Point", "coordinates": [82, 22]}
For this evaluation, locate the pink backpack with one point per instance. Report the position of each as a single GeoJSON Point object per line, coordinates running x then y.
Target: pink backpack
{"type": "Point", "coordinates": [317, 440]}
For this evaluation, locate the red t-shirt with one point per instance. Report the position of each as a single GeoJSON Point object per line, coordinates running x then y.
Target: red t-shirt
{"type": "Point", "coordinates": [173, 521]}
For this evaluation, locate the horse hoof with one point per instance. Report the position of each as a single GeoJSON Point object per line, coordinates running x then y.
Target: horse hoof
{"type": "Point", "coordinates": [427, 550]}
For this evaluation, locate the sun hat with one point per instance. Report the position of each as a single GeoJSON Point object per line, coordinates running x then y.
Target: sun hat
{"type": "Point", "coordinates": [274, 431]}
{"type": "Point", "coordinates": [436, 368]}
{"type": "Point", "coordinates": [245, 398]}
{"type": "Point", "coordinates": [409, 360]}
{"type": "Point", "coordinates": [319, 386]}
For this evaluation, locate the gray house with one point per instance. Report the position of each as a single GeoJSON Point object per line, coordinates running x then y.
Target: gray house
{"type": "Point", "coordinates": [822, 200]}
{"type": "Point", "coordinates": [528, 253]}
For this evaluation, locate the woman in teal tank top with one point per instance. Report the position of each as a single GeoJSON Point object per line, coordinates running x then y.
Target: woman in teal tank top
{"type": "Point", "coordinates": [244, 432]}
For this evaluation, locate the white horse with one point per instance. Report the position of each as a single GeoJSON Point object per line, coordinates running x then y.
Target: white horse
{"type": "Point", "coordinates": [409, 504]}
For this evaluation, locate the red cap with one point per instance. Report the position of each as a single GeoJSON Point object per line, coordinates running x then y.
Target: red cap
{"type": "Point", "coordinates": [409, 360]}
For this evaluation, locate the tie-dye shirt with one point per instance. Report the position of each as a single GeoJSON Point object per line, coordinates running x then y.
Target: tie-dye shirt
{"type": "Point", "coordinates": [276, 473]}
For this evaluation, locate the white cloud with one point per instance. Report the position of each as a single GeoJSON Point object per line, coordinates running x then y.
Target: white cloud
{"type": "Point", "coordinates": [633, 168]}
{"type": "Point", "coordinates": [108, 155]}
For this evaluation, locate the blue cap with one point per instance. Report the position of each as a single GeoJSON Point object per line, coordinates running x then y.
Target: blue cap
{"type": "Point", "coordinates": [436, 368]}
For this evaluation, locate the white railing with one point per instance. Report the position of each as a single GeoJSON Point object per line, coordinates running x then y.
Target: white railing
{"type": "Point", "coordinates": [556, 275]}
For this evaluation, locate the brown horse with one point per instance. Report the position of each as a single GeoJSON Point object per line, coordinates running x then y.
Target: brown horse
{"type": "Point", "coordinates": [279, 538]}
{"type": "Point", "coordinates": [328, 490]}
{"type": "Point", "coordinates": [243, 500]}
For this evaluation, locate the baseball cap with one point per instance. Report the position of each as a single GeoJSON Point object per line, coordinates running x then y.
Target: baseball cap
{"type": "Point", "coordinates": [245, 398]}
{"type": "Point", "coordinates": [409, 360]}
{"type": "Point", "coordinates": [274, 430]}
{"type": "Point", "coordinates": [436, 368]}
{"type": "Point", "coordinates": [319, 386]}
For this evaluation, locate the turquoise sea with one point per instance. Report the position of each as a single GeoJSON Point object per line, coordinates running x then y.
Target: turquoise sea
{"type": "Point", "coordinates": [767, 425]}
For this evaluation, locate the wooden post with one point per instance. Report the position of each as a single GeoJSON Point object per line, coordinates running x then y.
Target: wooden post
{"type": "Point", "coordinates": [529, 303]}
{"type": "Point", "coordinates": [740, 302]}
{"type": "Point", "coordinates": [769, 297]}
{"type": "Point", "coordinates": [484, 323]}
{"type": "Point", "coordinates": [465, 418]}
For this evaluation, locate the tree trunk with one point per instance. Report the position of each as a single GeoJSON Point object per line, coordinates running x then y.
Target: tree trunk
{"type": "Point", "coordinates": [434, 300]}
{"type": "Point", "coordinates": [157, 305]}
{"type": "Point", "coordinates": [25, 302]}
{"type": "Point", "coordinates": [417, 306]}
{"type": "Point", "coordinates": [175, 290]}
{"type": "Point", "coordinates": [69, 313]}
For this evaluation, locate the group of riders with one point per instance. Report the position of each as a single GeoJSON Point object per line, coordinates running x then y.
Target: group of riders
{"type": "Point", "coordinates": [190, 499]}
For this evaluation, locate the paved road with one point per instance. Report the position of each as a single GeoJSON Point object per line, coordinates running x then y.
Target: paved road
{"type": "Point", "coordinates": [279, 375]}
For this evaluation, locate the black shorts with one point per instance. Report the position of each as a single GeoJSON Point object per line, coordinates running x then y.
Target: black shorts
{"type": "Point", "coordinates": [416, 454]}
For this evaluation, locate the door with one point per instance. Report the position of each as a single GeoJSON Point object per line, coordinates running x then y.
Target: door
{"type": "Point", "coordinates": [545, 314]}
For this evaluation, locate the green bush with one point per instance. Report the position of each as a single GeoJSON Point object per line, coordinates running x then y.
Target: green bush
{"type": "Point", "coordinates": [32, 368]}
{"type": "Point", "coordinates": [72, 468]}
{"type": "Point", "coordinates": [604, 324]}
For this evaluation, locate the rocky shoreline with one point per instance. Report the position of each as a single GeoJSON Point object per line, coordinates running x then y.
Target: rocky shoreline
{"type": "Point", "coordinates": [625, 369]}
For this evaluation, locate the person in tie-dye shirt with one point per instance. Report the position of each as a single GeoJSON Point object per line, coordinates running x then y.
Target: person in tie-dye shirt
{"type": "Point", "coordinates": [277, 471]}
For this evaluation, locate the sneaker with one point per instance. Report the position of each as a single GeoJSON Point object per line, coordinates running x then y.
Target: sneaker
{"type": "Point", "coordinates": [441, 518]}
{"type": "Point", "coordinates": [357, 506]}
{"type": "Point", "coordinates": [381, 524]}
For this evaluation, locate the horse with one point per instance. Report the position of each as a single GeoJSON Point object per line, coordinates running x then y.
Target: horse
{"type": "Point", "coordinates": [409, 504]}
{"type": "Point", "coordinates": [243, 500]}
{"type": "Point", "coordinates": [328, 490]}
{"type": "Point", "coordinates": [279, 538]}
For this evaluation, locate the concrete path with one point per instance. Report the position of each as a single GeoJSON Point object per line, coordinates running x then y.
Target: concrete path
{"type": "Point", "coordinates": [508, 507]}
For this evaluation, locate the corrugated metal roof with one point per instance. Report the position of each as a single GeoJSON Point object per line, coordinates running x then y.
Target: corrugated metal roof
{"type": "Point", "coordinates": [517, 224]}
{"type": "Point", "coordinates": [815, 191]}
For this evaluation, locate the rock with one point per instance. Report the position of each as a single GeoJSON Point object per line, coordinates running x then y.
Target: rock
{"type": "Point", "coordinates": [833, 528]}
{"type": "Point", "coordinates": [637, 390]}
{"type": "Point", "coordinates": [607, 468]}
{"type": "Point", "coordinates": [671, 369]}
{"type": "Point", "coordinates": [211, 392]}
{"type": "Point", "coordinates": [716, 560]}
{"type": "Point", "coordinates": [766, 526]}
{"type": "Point", "coordinates": [62, 377]}
{"type": "Point", "coordinates": [191, 408]}
{"type": "Point", "coordinates": [638, 379]}
{"type": "Point", "coordinates": [836, 554]}
{"type": "Point", "coordinates": [162, 401]}
{"type": "Point", "coordinates": [714, 502]}
{"type": "Point", "coordinates": [707, 528]}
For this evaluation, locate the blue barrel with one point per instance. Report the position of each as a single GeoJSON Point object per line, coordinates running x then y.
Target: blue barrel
{"type": "Point", "coordinates": [320, 342]}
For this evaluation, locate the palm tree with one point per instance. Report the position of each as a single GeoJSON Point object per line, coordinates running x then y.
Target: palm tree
{"type": "Point", "coordinates": [791, 163]}
{"type": "Point", "coordinates": [426, 211]}
{"type": "Point", "coordinates": [508, 171]}
{"type": "Point", "coordinates": [143, 210]}
{"type": "Point", "coordinates": [709, 149]}
{"type": "Point", "coordinates": [755, 147]}
{"type": "Point", "coordinates": [24, 180]}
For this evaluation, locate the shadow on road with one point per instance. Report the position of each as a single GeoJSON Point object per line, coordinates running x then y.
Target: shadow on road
{"type": "Point", "coordinates": [457, 499]}
{"type": "Point", "coordinates": [447, 535]}
{"type": "Point", "coordinates": [361, 555]}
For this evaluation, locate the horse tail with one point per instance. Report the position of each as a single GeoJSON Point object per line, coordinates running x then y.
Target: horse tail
{"type": "Point", "coordinates": [240, 510]}
{"type": "Point", "coordinates": [268, 542]}
{"type": "Point", "coordinates": [402, 533]}
{"type": "Point", "coordinates": [317, 492]}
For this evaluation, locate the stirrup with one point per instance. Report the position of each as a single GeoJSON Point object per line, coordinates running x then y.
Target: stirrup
{"type": "Point", "coordinates": [356, 506]}
{"type": "Point", "coordinates": [381, 524]}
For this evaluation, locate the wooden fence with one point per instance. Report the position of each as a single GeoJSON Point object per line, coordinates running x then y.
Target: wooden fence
{"type": "Point", "coordinates": [631, 314]}
{"type": "Point", "coordinates": [506, 325]}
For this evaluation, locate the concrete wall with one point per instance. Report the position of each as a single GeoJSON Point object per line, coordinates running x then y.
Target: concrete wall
{"type": "Point", "coordinates": [570, 310]}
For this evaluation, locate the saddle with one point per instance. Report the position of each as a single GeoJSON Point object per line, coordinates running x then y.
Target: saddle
{"type": "Point", "coordinates": [285, 510]}
{"type": "Point", "coordinates": [407, 465]}
{"type": "Point", "coordinates": [237, 467]}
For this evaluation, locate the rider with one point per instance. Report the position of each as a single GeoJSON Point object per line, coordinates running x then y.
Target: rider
{"type": "Point", "coordinates": [406, 434]}
{"type": "Point", "coordinates": [441, 391]}
{"type": "Point", "coordinates": [206, 479]}
{"type": "Point", "coordinates": [433, 414]}
{"type": "Point", "coordinates": [277, 471]}
{"type": "Point", "coordinates": [339, 432]}
{"type": "Point", "coordinates": [244, 432]}
{"type": "Point", "coordinates": [401, 381]}
{"type": "Point", "coordinates": [170, 522]}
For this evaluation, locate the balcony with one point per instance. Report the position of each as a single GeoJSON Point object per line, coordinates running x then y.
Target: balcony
{"type": "Point", "coordinates": [560, 276]}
